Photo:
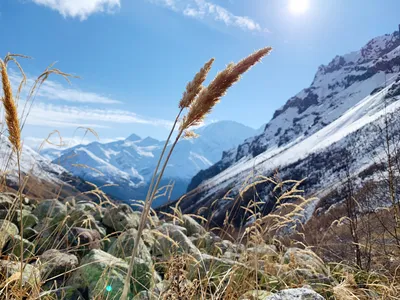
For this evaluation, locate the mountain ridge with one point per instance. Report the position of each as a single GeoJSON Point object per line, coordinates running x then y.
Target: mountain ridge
{"type": "Point", "coordinates": [346, 95]}
{"type": "Point", "coordinates": [130, 163]}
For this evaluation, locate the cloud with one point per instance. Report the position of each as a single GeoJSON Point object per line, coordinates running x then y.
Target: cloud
{"type": "Point", "coordinates": [56, 116]}
{"type": "Point", "coordinates": [81, 9]}
{"type": "Point", "coordinates": [54, 141]}
{"type": "Point", "coordinates": [53, 90]}
{"type": "Point", "coordinates": [43, 114]}
{"type": "Point", "coordinates": [205, 10]}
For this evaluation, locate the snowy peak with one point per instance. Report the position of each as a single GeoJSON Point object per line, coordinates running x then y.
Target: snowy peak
{"type": "Point", "coordinates": [349, 93]}
{"type": "Point", "coordinates": [31, 163]}
{"type": "Point", "coordinates": [345, 81]}
{"type": "Point", "coordinates": [148, 141]}
{"type": "Point", "coordinates": [133, 138]}
{"type": "Point", "coordinates": [375, 49]}
{"type": "Point", "coordinates": [220, 128]}
{"type": "Point", "coordinates": [129, 163]}
{"type": "Point", "coordinates": [379, 47]}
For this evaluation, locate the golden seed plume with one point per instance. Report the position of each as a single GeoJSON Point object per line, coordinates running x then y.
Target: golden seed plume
{"type": "Point", "coordinates": [10, 109]}
{"type": "Point", "coordinates": [194, 87]}
{"type": "Point", "coordinates": [210, 95]}
{"type": "Point", "coordinates": [190, 135]}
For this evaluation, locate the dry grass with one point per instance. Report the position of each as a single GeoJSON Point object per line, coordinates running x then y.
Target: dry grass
{"type": "Point", "coordinates": [189, 277]}
{"type": "Point", "coordinates": [199, 105]}
{"type": "Point", "coordinates": [195, 86]}
{"type": "Point", "coordinates": [13, 287]}
{"type": "Point", "coordinates": [210, 96]}
{"type": "Point", "coordinates": [10, 109]}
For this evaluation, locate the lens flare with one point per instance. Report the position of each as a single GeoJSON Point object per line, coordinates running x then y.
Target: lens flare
{"type": "Point", "coordinates": [298, 7]}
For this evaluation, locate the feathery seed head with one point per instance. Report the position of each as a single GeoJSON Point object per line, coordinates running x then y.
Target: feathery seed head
{"type": "Point", "coordinates": [10, 109]}
{"type": "Point", "coordinates": [211, 95]}
{"type": "Point", "coordinates": [190, 135]}
{"type": "Point", "coordinates": [194, 87]}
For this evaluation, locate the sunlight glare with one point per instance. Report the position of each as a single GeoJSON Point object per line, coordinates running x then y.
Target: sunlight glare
{"type": "Point", "coordinates": [298, 7]}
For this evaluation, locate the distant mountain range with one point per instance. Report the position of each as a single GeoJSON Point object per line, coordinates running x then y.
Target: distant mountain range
{"type": "Point", "coordinates": [128, 164]}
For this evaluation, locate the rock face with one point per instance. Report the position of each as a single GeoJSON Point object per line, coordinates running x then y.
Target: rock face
{"type": "Point", "coordinates": [49, 209]}
{"type": "Point", "coordinates": [55, 263]}
{"type": "Point", "coordinates": [123, 246]}
{"type": "Point", "coordinates": [290, 294]}
{"type": "Point", "coordinates": [30, 276]}
{"type": "Point", "coordinates": [97, 271]}
{"type": "Point", "coordinates": [7, 231]}
{"type": "Point", "coordinates": [84, 239]}
{"type": "Point", "coordinates": [172, 241]}
{"type": "Point", "coordinates": [121, 218]}
{"type": "Point", "coordinates": [305, 260]}
{"type": "Point", "coordinates": [301, 294]}
{"type": "Point", "coordinates": [192, 226]}
{"type": "Point", "coordinates": [14, 247]}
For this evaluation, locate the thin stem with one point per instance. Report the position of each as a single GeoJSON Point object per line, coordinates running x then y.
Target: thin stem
{"type": "Point", "coordinates": [163, 169]}
{"type": "Point", "coordinates": [150, 189]}
{"type": "Point", "coordinates": [21, 224]}
{"type": "Point", "coordinates": [147, 205]}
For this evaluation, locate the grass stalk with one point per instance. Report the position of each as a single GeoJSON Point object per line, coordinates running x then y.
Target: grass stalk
{"type": "Point", "coordinates": [15, 140]}
{"type": "Point", "coordinates": [150, 189]}
{"type": "Point", "coordinates": [193, 88]}
{"type": "Point", "coordinates": [200, 101]}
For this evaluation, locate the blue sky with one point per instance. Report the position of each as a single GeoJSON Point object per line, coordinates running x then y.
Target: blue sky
{"type": "Point", "coordinates": [135, 57]}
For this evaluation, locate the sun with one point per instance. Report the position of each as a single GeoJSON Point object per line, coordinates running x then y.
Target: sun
{"type": "Point", "coordinates": [298, 7]}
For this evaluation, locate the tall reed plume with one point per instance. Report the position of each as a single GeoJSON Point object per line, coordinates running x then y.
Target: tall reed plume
{"type": "Point", "coordinates": [11, 110]}
{"type": "Point", "coordinates": [211, 95]}
{"type": "Point", "coordinates": [14, 136]}
{"type": "Point", "coordinates": [200, 102]}
{"type": "Point", "coordinates": [13, 123]}
{"type": "Point", "coordinates": [195, 86]}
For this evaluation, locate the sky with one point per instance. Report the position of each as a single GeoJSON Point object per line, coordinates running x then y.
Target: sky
{"type": "Point", "coordinates": [134, 57]}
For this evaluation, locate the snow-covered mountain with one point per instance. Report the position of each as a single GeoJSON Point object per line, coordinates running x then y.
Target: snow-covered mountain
{"type": "Point", "coordinates": [128, 164]}
{"type": "Point", "coordinates": [31, 163]}
{"type": "Point", "coordinates": [41, 178]}
{"type": "Point", "coordinates": [307, 136]}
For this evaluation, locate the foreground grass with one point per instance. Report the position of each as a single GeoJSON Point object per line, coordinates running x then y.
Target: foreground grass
{"type": "Point", "coordinates": [101, 250]}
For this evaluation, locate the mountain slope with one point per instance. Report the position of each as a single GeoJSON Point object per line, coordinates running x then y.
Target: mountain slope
{"type": "Point", "coordinates": [128, 164]}
{"type": "Point", "coordinates": [345, 98]}
{"type": "Point", "coordinates": [40, 177]}
{"type": "Point", "coordinates": [30, 161]}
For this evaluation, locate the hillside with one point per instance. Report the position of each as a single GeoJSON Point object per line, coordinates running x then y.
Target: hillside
{"type": "Point", "coordinates": [340, 112]}
{"type": "Point", "coordinates": [41, 178]}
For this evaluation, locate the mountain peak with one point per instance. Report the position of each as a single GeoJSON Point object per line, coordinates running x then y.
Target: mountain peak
{"type": "Point", "coordinates": [133, 138]}
{"type": "Point", "coordinates": [129, 164]}
{"type": "Point", "coordinates": [373, 50]}
{"type": "Point", "coordinates": [337, 88]}
{"type": "Point", "coordinates": [221, 126]}
{"type": "Point", "coordinates": [148, 141]}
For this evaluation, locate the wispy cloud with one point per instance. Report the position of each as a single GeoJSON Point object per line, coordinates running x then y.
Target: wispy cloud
{"type": "Point", "coordinates": [202, 9]}
{"type": "Point", "coordinates": [69, 116]}
{"type": "Point", "coordinates": [81, 9]}
{"type": "Point", "coordinates": [55, 91]}
{"type": "Point", "coordinates": [54, 141]}
{"type": "Point", "coordinates": [45, 113]}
